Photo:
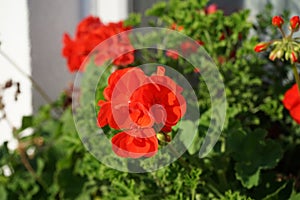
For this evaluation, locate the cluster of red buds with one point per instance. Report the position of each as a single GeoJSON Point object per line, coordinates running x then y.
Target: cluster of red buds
{"type": "Point", "coordinates": [287, 48]}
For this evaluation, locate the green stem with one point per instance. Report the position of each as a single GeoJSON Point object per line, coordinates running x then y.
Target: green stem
{"type": "Point", "coordinates": [282, 32]}
{"type": "Point", "coordinates": [193, 190]}
{"type": "Point", "coordinates": [296, 76]}
{"type": "Point", "coordinates": [214, 190]}
{"type": "Point", "coordinates": [291, 35]}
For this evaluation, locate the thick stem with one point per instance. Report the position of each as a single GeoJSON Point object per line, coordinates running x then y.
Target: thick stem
{"type": "Point", "coordinates": [35, 85]}
{"type": "Point", "coordinates": [296, 76]}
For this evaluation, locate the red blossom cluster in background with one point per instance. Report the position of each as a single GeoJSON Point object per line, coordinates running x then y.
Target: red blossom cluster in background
{"type": "Point", "coordinates": [91, 32]}
{"type": "Point", "coordinates": [140, 106]}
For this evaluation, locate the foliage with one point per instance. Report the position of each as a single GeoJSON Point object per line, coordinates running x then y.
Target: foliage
{"type": "Point", "coordinates": [255, 157]}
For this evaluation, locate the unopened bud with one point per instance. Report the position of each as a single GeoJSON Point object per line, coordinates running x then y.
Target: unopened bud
{"type": "Point", "coordinates": [294, 23]}
{"type": "Point", "coordinates": [273, 55]}
{"type": "Point", "coordinates": [279, 54]}
{"type": "Point", "coordinates": [160, 137]}
{"type": "Point", "coordinates": [262, 46]}
{"type": "Point", "coordinates": [293, 57]}
{"type": "Point", "coordinates": [277, 21]}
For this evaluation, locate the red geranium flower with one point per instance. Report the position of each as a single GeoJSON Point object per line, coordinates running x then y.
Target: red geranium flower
{"type": "Point", "coordinates": [291, 102]}
{"type": "Point", "coordinates": [72, 51]}
{"type": "Point", "coordinates": [163, 100]}
{"type": "Point", "coordinates": [125, 144]}
{"type": "Point", "coordinates": [138, 103]}
{"type": "Point", "coordinates": [91, 32]}
{"type": "Point", "coordinates": [133, 115]}
{"type": "Point", "coordinates": [117, 112]}
{"type": "Point", "coordinates": [88, 25]}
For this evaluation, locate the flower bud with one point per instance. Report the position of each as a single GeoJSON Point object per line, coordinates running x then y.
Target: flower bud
{"type": "Point", "coordinates": [293, 57]}
{"type": "Point", "coordinates": [273, 55]}
{"type": "Point", "coordinates": [261, 46]}
{"type": "Point", "coordinates": [160, 137]}
{"type": "Point", "coordinates": [294, 23]}
{"type": "Point", "coordinates": [279, 54]}
{"type": "Point", "coordinates": [277, 21]}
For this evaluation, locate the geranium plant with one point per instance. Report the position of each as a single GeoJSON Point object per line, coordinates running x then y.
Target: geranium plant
{"type": "Point", "coordinates": [145, 113]}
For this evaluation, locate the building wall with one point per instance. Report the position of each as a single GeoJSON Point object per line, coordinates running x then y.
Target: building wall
{"type": "Point", "coordinates": [15, 43]}
{"type": "Point", "coordinates": [48, 21]}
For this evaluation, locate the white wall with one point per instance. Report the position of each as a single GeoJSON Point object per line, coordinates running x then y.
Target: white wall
{"type": "Point", "coordinates": [15, 43]}
{"type": "Point", "coordinates": [111, 10]}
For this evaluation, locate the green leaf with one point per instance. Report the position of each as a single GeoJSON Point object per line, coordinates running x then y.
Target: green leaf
{"type": "Point", "coordinates": [26, 122]}
{"type": "Point", "coordinates": [252, 153]}
{"type": "Point", "coordinates": [157, 10]}
{"type": "Point", "coordinates": [70, 184]}
{"type": "Point", "coordinates": [295, 196]}
{"type": "Point", "coordinates": [134, 19]}
{"type": "Point", "coordinates": [68, 122]}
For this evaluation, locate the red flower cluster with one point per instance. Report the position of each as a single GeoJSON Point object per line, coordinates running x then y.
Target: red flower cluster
{"type": "Point", "coordinates": [140, 105]}
{"type": "Point", "coordinates": [91, 32]}
{"type": "Point", "coordinates": [291, 102]}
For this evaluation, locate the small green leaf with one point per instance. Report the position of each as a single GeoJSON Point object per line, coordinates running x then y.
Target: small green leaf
{"type": "Point", "coordinates": [26, 122]}
{"type": "Point", "coordinates": [134, 19]}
